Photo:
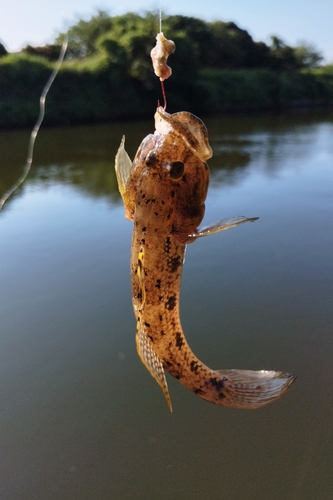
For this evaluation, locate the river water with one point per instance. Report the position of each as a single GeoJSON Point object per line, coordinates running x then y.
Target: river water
{"type": "Point", "coordinates": [80, 417]}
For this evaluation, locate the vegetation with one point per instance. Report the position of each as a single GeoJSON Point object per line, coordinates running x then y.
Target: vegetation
{"type": "Point", "coordinates": [108, 74]}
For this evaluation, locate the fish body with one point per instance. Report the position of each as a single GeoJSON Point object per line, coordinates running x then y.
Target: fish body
{"type": "Point", "coordinates": [164, 192]}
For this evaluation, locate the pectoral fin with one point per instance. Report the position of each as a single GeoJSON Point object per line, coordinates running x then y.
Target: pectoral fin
{"type": "Point", "coordinates": [250, 389]}
{"type": "Point", "coordinates": [123, 171]}
{"type": "Point", "coordinates": [220, 225]}
{"type": "Point", "coordinates": [151, 361]}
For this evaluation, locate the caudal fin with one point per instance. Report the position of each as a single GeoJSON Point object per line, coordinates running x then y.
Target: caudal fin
{"type": "Point", "coordinates": [248, 389]}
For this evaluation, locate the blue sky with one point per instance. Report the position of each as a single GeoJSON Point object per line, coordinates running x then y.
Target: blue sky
{"type": "Point", "coordinates": [37, 21]}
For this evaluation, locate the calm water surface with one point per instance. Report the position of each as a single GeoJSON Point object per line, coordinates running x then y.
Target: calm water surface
{"type": "Point", "coordinates": [80, 417]}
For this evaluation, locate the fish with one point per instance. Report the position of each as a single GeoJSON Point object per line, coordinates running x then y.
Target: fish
{"type": "Point", "coordinates": [164, 191]}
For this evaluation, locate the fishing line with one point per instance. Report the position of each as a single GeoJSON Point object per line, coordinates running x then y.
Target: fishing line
{"type": "Point", "coordinates": [38, 123]}
{"type": "Point", "coordinates": [162, 82]}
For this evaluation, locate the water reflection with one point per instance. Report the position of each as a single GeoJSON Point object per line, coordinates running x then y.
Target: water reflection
{"type": "Point", "coordinates": [80, 417]}
{"type": "Point", "coordinates": [84, 156]}
{"type": "Point", "coordinates": [264, 143]}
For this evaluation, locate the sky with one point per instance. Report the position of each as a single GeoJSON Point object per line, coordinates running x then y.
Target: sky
{"type": "Point", "coordinates": [37, 22]}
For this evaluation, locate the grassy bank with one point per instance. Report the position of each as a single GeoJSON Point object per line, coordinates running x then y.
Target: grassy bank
{"type": "Point", "coordinates": [92, 91]}
{"type": "Point", "coordinates": [233, 90]}
{"type": "Point", "coordinates": [103, 87]}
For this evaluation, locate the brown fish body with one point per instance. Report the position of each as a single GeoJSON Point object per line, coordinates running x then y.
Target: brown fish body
{"type": "Point", "coordinates": [164, 194]}
{"type": "Point", "coordinates": [166, 211]}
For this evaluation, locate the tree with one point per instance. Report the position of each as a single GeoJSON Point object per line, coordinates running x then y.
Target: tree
{"type": "Point", "coordinates": [307, 55]}
{"type": "Point", "coordinates": [3, 51]}
{"type": "Point", "coordinates": [49, 52]}
{"type": "Point", "coordinates": [82, 36]}
{"type": "Point", "coordinates": [203, 44]}
{"type": "Point", "coordinates": [283, 56]}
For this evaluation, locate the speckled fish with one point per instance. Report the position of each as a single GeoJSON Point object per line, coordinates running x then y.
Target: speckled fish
{"type": "Point", "coordinates": [164, 192]}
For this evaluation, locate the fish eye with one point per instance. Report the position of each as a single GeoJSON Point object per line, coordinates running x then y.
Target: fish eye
{"type": "Point", "coordinates": [177, 169]}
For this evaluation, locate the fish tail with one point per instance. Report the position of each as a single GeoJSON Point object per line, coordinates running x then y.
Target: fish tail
{"type": "Point", "coordinates": [248, 389]}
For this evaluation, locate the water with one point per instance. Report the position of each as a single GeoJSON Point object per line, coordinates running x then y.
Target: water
{"type": "Point", "coordinates": [80, 417]}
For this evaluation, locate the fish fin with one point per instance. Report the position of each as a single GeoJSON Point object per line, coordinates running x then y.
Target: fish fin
{"type": "Point", "coordinates": [188, 127]}
{"type": "Point", "coordinates": [152, 362]}
{"type": "Point", "coordinates": [220, 225]}
{"type": "Point", "coordinates": [123, 169]}
{"type": "Point", "coordinates": [251, 389]}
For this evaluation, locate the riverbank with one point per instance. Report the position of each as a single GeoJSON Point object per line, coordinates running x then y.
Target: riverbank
{"type": "Point", "coordinates": [97, 91]}
{"type": "Point", "coordinates": [107, 74]}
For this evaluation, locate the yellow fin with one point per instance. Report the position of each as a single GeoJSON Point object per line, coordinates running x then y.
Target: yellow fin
{"type": "Point", "coordinates": [123, 169]}
{"type": "Point", "coordinates": [151, 361]}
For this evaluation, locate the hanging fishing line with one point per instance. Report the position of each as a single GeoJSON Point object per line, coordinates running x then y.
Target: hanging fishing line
{"type": "Point", "coordinates": [159, 55]}
{"type": "Point", "coordinates": [38, 123]}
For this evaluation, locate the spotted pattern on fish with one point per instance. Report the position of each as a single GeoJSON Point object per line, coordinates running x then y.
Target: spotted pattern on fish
{"type": "Point", "coordinates": [164, 193]}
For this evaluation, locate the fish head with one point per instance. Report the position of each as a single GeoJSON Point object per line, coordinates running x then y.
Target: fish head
{"type": "Point", "coordinates": [170, 168]}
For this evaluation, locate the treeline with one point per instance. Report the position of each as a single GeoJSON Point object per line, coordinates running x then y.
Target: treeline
{"type": "Point", "coordinates": [108, 74]}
